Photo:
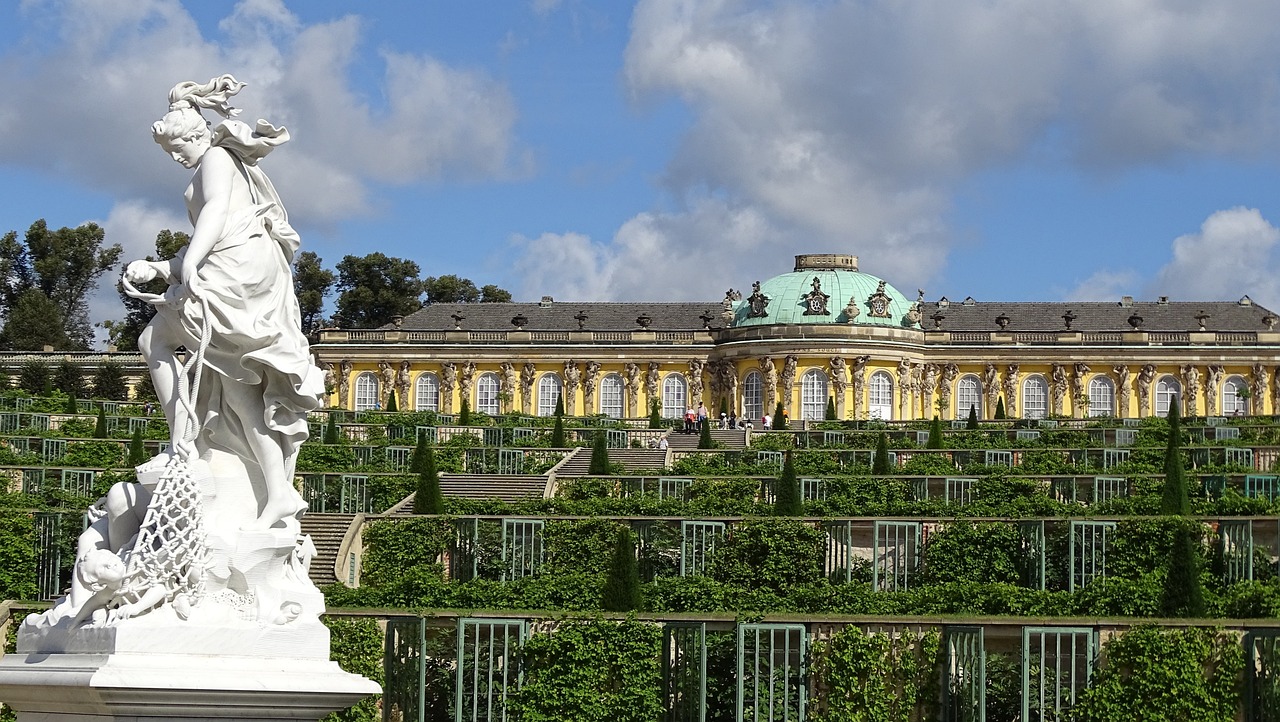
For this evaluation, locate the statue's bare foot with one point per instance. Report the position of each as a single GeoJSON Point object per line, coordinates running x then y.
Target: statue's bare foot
{"type": "Point", "coordinates": [275, 512]}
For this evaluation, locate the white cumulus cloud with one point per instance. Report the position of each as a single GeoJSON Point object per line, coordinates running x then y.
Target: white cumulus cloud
{"type": "Point", "coordinates": [1233, 254]}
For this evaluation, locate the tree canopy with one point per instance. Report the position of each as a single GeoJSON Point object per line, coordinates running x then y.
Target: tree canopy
{"type": "Point", "coordinates": [375, 288]}
{"type": "Point", "coordinates": [137, 314]}
{"type": "Point", "coordinates": [312, 283]}
{"type": "Point", "coordinates": [452, 288]}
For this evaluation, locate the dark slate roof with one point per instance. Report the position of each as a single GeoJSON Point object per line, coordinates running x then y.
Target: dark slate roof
{"type": "Point", "coordinates": [1097, 316]}
{"type": "Point", "coordinates": [559, 316]}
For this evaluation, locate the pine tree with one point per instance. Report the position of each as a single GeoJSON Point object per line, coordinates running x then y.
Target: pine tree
{"type": "Point", "coordinates": [704, 436]}
{"type": "Point", "coordinates": [655, 414]}
{"type": "Point", "coordinates": [1000, 408]}
{"type": "Point", "coordinates": [391, 401]}
{"type": "Point", "coordinates": [418, 462]}
{"type": "Point", "coordinates": [137, 451]}
{"type": "Point", "coordinates": [622, 585]}
{"type": "Point", "coordinates": [972, 423]}
{"type": "Point", "coordinates": [880, 464]}
{"type": "Point", "coordinates": [464, 414]}
{"type": "Point", "coordinates": [780, 417]}
{"type": "Point", "coordinates": [1175, 500]}
{"type": "Point", "coordinates": [100, 429]}
{"type": "Point", "coordinates": [599, 455]}
{"type": "Point", "coordinates": [786, 498]}
{"type": "Point", "coordinates": [1183, 593]}
{"type": "Point", "coordinates": [428, 498]}
{"type": "Point", "coordinates": [331, 429]}
{"type": "Point", "coordinates": [831, 409]}
{"type": "Point", "coordinates": [935, 434]}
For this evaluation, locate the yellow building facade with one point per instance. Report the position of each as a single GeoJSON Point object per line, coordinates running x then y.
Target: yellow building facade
{"type": "Point", "coordinates": [823, 331]}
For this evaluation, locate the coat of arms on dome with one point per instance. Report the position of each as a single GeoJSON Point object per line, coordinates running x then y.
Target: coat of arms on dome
{"type": "Point", "coordinates": [815, 301]}
{"type": "Point", "coordinates": [879, 302]}
{"type": "Point", "coordinates": [758, 302]}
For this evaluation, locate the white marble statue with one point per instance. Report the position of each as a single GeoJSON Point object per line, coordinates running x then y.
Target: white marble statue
{"type": "Point", "coordinates": [212, 529]}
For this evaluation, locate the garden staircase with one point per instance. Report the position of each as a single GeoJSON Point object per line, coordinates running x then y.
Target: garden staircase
{"type": "Point", "coordinates": [327, 532]}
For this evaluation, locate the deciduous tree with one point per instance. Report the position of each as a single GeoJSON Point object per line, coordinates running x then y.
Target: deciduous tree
{"type": "Point", "coordinates": [375, 288]}
{"type": "Point", "coordinates": [312, 283]}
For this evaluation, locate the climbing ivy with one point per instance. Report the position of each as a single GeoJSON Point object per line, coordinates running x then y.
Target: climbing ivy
{"type": "Point", "coordinates": [876, 677]}
{"type": "Point", "coordinates": [356, 645]}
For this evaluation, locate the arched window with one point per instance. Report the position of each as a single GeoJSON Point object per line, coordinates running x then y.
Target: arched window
{"type": "Point", "coordinates": [752, 396]}
{"type": "Point", "coordinates": [367, 391]}
{"type": "Point", "coordinates": [1168, 391]}
{"type": "Point", "coordinates": [880, 396]}
{"type": "Point", "coordinates": [968, 396]}
{"type": "Point", "coordinates": [548, 394]}
{"type": "Point", "coordinates": [1232, 404]}
{"type": "Point", "coordinates": [1102, 397]}
{"type": "Point", "coordinates": [611, 396]}
{"type": "Point", "coordinates": [487, 394]}
{"type": "Point", "coordinates": [1035, 395]}
{"type": "Point", "coordinates": [813, 395]}
{"type": "Point", "coordinates": [674, 393]}
{"type": "Point", "coordinates": [426, 393]}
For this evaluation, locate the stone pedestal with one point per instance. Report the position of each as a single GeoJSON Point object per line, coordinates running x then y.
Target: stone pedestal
{"type": "Point", "coordinates": [162, 668]}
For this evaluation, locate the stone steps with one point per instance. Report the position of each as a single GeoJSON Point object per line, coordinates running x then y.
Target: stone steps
{"type": "Point", "coordinates": [729, 439]}
{"type": "Point", "coordinates": [631, 459]}
{"type": "Point", "coordinates": [327, 532]}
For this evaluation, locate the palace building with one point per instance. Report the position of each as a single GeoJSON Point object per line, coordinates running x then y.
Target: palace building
{"type": "Point", "coordinates": [823, 330]}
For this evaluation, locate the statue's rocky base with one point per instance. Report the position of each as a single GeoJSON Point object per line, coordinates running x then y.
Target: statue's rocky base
{"type": "Point", "coordinates": [177, 671]}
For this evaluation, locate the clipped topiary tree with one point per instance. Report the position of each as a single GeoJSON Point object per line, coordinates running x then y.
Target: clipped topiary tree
{"type": "Point", "coordinates": [831, 409]}
{"type": "Point", "coordinates": [780, 417]}
{"type": "Point", "coordinates": [786, 498]}
{"type": "Point", "coordinates": [655, 414]}
{"type": "Point", "coordinates": [137, 451]}
{"type": "Point", "coordinates": [391, 401]}
{"type": "Point", "coordinates": [1183, 592]}
{"type": "Point", "coordinates": [464, 414]}
{"type": "Point", "coordinates": [622, 584]}
{"type": "Point", "coordinates": [71, 407]}
{"type": "Point", "coordinates": [428, 498]}
{"type": "Point", "coordinates": [560, 406]}
{"type": "Point", "coordinates": [558, 440]}
{"type": "Point", "coordinates": [599, 455]}
{"type": "Point", "coordinates": [418, 462]}
{"type": "Point", "coordinates": [704, 435]}
{"type": "Point", "coordinates": [1175, 500]}
{"type": "Point", "coordinates": [1000, 408]}
{"type": "Point", "coordinates": [972, 423]}
{"type": "Point", "coordinates": [331, 429]}
{"type": "Point", "coordinates": [935, 434]}
{"type": "Point", "coordinates": [100, 428]}
{"type": "Point", "coordinates": [880, 464]}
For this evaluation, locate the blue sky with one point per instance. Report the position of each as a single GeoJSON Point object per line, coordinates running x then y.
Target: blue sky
{"type": "Point", "coordinates": [669, 149]}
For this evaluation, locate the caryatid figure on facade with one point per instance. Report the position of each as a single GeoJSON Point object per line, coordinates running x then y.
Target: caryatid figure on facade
{"type": "Point", "coordinates": [769, 376]}
{"type": "Point", "coordinates": [788, 380]}
{"type": "Point", "coordinates": [589, 379]}
{"type": "Point", "coordinates": [991, 386]}
{"type": "Point", "coordinates": [631, 377]}
{"type": "Point", "coordinates": [1011, 389]}
{"type": "Point", "coordinates": [1258, 387]}
{"type": "Point", "coordinates": [466, 377]}
{"type": "Point", "coordinates": [344, 382]}
{"type": "Point", "coordinates": [949, 373]}
{"type": "Point", "coordinates": [928, 383]}
{"type": "Point", "coordinates": [859, 374]}
{"type": "Point", "coordinates": [839, 373]}
{"type": "Point", "coordinates": [1078, 396]}
{"type": "Point", "coordinates": [1146, 375]}
{"type": "Point", "coordinates": [1212, 382]}
{"type": "Point", "coordinates": [1057, 388]}
{"type": "Point", "coordinates": [904, 388]}
{"type": "Point", "coordinates": [506, 385]}
{"type": "Point", "coordinates": [387, 375]}
{"type": "Point", "coordinates": [1190, 387]}
{"type": "Point", "coordinates": [696, 367]}
{"type": "Point", "coordinates": [528, 373]}
{"type": "Point", "coordinates": [1121, 372]}
{"type": "Point", "coordinates": [572, 377]}
{"type": "Point", "coordinates": [448, 381]}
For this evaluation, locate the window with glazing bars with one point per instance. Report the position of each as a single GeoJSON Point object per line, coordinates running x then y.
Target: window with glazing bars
{"type": "Point", "coordinates": [398, 457]}
{"type": "Point", "coordinates": [959, 490]}
{"type": "Point", "coordinates": [1090, 544]}
{"type": "Point", "coordinates": [964, 689]}
{"type": "Point", "coordinates": [999, 458]}
{"type": "Point", "coordinates": [813, 489]}
{"type": "Point", "coordinates": [1106, 488]}
{"type": "Point", "coordinates": [698, 540]}
{"type": "Point", "coordinates": [510, 461]}
{"type": "Point", "coordinates": [53, 449]}
{"type": "Point", "coordinates": [684, 671]}
{"type": "Point", "coordinates": [522, 548]}
{"type": "Point", "coordinates": [1262, 486]}
{"type": "Point", "coordinates": [426, 393]}
{"type": "Point", "coordinates": [895, 554]}
{"type": "Point", "coordinates": [1238, 457]}
{"type": "Point", "coordinates": [78, 481]}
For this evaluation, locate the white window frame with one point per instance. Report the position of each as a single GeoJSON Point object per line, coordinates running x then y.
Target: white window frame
{"type": "Point", "coordinates": [880, 395]}
{"type": "Point", "coordinates": [487, 401]}
{"type": "Point", "coordinates": [1168, 390]}
{"type": "Point", "coordinates": [752, 396]}
{"type": "Point", "coordinates": [675, 396]}
{"type": "Point", "coordinates": [968, 394]}
{"type": "Point", "coordinates": [549, 390]}
{"type": "Point", "coordinates": [368, 394]}
{"type": "Point", "coordinates": [1035, 397]}
{"type": "Point", "coordinates": [1102, 396]}
{"type": "Point", "coordinates": [611, 400]}
{"type": "Point", "coordinates": [1231, 403]}
{"type": "Point", "coordinates": [813, 395]}
{"type": "Point", "coordinates": [426, 392]}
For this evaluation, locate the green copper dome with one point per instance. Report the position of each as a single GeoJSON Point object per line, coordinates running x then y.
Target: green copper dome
{"type": "Point", "coordinates": [795, 298]}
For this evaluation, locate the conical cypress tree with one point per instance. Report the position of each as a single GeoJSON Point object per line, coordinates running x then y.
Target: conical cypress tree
{"type": "Point", "coordinates": [1175, 500]}
{"type": "Point", "coordinates": [557, 434]}
{"type": "Point", "coordinates": [71, 407]}
{"type": "Point", "coordinates": [786, 499]}
{"type": "Point", "coordinates": [831, 409]}
{"type": "Point", "coordinates": [599, 455]}
{"type": "Point", "coordinates": [418, 462]}
{"type": "Point", "coordinates": [331, 429]}
{"type": "Point", "coordinates": [1183, 593]}
{"type": "Point", "coordinates": [724, 407]}
{"type": "Point", "coordinates": [464, 414]}
{"type": "Point", "coordinates": [137, 451]}
{"type": "Point", "coordinates": [880, 464]}
{"type": "Point", "coordinates": [935, 434]}
{"type": "Point", "coordinates": [780, 417]}
{"type": "Point", "coordinates": [391, 402]}
{"type": "Point", "coordinates": [1000, 408]}
{"type": "Point", "coordinates": [704, 436]}
{"type": "Point", "coordinates": [559, 407]}
{"type": "Point", "coordinates": [622, 585]}
{"type": "Point", "coordinates": [100, 429]}
{"type": "Point", "coordinates": [655, 414]}
{"type": "Point", "coordinates": [428, 498]}
{"type": "Point", "coordinates": [972, 423]}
